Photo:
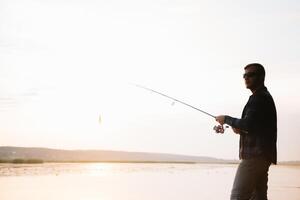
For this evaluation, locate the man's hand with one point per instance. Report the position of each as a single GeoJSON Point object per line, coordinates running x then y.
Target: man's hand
{"type": "Point", "coordinates": [220, 119]}
{"type": "Point", "coordinates": [236, 130]}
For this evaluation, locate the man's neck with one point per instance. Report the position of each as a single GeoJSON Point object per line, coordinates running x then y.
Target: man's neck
{"type": "Point", "coordinates": [257, 88]}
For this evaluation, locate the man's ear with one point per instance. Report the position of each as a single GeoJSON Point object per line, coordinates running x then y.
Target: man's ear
{"type": "Point", "coordinates": [260, 78]}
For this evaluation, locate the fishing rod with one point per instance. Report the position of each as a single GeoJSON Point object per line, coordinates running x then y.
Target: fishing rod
{"type": "Point", "coordinates": [176, 100]}
{"type": "Point", "coordinates": [218, 129]}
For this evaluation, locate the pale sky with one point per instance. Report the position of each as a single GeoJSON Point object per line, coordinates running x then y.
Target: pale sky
{"type": "Point", "coordinates": [65, 63]}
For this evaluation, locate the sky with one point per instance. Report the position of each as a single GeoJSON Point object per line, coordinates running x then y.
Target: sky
{"type": "Point", "coordinates": [65, 64]}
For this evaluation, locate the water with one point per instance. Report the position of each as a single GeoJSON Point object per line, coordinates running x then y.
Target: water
{"type": "Point", "coordinates": [115, 181]}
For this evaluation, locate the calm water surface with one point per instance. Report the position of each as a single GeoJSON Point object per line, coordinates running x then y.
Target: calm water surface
{"type": "Point", "coordinates": [106, 181]}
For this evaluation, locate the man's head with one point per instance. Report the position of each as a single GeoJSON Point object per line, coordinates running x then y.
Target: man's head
{"type": "Point", "coordinates": [254, 76]}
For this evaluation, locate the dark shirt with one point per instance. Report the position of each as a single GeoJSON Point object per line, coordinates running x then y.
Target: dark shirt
{"type": "Point", "coordinates": [258, 127]}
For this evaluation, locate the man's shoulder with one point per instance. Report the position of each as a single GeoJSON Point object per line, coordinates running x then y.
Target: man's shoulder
{"type": "Point", "coordinates": [263, 93]}
{"type": "Point", "coordinates": [262, 97]}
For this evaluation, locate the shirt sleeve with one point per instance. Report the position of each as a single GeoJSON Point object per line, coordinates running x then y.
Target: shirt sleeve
{"type": "Point", "coordinates": [251, 118]}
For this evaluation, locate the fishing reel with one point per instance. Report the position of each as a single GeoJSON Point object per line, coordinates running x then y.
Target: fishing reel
{"type": "Point", "coordinates": [220, 128]}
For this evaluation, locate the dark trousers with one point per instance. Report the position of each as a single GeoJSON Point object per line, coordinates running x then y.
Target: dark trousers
{"type": "Point", "coordinates": [251, 180]}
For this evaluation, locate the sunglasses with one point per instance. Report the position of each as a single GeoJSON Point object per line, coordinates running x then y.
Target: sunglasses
{"type": "Point", "coordinates": [249, 75]}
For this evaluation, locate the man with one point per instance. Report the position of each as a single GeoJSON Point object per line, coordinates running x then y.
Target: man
{"type": "Point", "coordinates": [258, 136]}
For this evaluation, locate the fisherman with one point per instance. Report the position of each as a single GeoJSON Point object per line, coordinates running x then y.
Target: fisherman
{"type": "Point", "coordinates": [258, 136]}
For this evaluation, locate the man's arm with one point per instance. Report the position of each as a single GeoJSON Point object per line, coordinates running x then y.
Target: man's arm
{"type": "Point", "coordinates": [235, 123]}
{"type": "Point", "coordinates": [253, 115]}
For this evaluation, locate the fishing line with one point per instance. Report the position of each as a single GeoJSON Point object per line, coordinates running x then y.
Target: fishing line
{"type": "Point", "coordinates": [175, 100]}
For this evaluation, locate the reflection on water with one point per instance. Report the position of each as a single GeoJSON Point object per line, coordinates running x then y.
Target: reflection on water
{"type": "Point", "coordinates": [99, 168]}
{"type": "Point", "coordinates": [114, 181]}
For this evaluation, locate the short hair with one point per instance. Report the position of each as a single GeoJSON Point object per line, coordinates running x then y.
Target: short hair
{"type": "Point", "coordinates": [259, 69]}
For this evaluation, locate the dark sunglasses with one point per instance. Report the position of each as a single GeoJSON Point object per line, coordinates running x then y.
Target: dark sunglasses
{"type": "Point", "coordinates": [249, 74]}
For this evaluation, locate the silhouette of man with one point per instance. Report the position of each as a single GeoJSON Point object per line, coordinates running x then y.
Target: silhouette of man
{"type": "Point", "coordinates": [258, 136]}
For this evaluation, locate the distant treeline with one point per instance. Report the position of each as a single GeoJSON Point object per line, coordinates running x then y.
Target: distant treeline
{"type": "Point", "coordinates": [122, 161]}
{"type": "Point", "coordinates": [22, 161]}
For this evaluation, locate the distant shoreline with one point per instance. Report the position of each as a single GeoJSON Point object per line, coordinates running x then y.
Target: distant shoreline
{"type": "Point", "coordinates": [33, 161]}
{"type": "Point", "coordinates": [23, 154]}
{"type": "Point", "coordinates": [39, 161]}
{"type": "Point", "coordinates": [22, 161]}
{"type": "Point", "coordinates": [35, 155]}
